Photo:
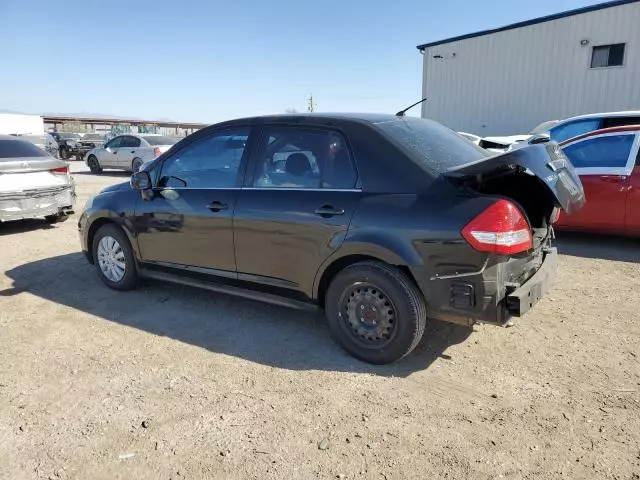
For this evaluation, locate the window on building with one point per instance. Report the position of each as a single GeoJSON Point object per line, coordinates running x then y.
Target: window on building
{"type": "Point", "coordinates": [608, 56]}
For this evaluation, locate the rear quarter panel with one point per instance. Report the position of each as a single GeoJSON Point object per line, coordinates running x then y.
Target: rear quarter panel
{"type": "Point", "coordinates": [419, 231]}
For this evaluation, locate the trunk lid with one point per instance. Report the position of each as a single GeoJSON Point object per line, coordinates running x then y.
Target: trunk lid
{"type": "Point", "coordinates": [544, 161]}
{"type": "Point", "coordinates": [31, 173]}
{"type": "Point", "coordinates": [29, 164]}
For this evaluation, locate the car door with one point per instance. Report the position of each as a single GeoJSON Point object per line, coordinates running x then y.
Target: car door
{"type": "Point", "coordinates": [296, 205]}
{"type": "Point", "coordinates": [604, 164]}
{"type": "Point", "coordinates": [632, 217]}
{"type": "Point", "coordinates": [127, 151]}
{"type": "Point", "coordinates": [187, 221]}
{"type": "Point", "coordinates": [108, 156]}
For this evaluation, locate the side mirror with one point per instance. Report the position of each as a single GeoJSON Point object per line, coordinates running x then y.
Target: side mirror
{"type": "Point", "coordinates": [140, 181]}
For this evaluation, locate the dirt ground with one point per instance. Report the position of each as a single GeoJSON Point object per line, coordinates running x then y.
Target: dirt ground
{"type": "Point", "coordinates": [175, 383]}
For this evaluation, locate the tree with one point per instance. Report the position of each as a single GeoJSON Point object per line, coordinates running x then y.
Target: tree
{"type": "Point", "coordinates": [291, 110]}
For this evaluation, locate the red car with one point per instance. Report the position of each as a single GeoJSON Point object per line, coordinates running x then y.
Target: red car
{"type": "Point", "coordinates": [609, 166]}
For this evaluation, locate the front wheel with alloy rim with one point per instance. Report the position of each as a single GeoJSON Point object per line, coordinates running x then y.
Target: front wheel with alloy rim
{"type": "Point", "coordinates": [114, 259]}
{"type": "Point", "coordinates": [375, 312]}
{"type": "Point", "coordinates": [64, 153]}
{"type": "Point", "coordinates": [136, 165]}
{"type": "Point", "coordinates": [94, 165]}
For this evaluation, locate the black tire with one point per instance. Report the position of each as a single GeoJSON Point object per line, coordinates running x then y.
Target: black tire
{"type": "Point", "coordinates": [64, 153]}
{"type": "Point", "coordinates": [136, 164]}
{"type": "Point", "coordinates": [378, 285]}
{"type": "Point", "coordinates": [58, 218]}
{"type": "Point", "coordinates": [130, 278]}
{"type": "Point", "coordinates": [94, 164]}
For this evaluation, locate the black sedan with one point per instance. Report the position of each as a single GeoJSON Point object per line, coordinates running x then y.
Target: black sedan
{"type": "Point", "coordinates": [383, 221]}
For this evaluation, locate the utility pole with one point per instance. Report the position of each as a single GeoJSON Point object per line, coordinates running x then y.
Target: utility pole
{"type": "Point", "coordinates": [311, 107]}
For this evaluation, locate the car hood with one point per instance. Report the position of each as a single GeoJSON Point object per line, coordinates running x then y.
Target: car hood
{"type": "Point", "coordinates": [116, 188]}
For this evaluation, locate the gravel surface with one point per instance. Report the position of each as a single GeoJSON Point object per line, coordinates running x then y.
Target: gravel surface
{"type": "Point", "coordinates": [175, 383]}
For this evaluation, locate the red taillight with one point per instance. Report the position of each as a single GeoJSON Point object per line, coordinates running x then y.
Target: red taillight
{"type": "Point", "coordinates": [60, 170]}
{"type": "Point", "coordinates": [500, 229]}
{"type": "Point", "coordinates": [156, 152]}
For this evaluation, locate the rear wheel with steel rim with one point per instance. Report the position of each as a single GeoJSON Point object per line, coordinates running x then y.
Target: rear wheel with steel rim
{"type": "Point", "coordinates": [114, 259]}
{"type": "Point", "coordinates": [136, 165]}
{"type": "Point", "coordinates": [94, 165]}
{"type": "Point", "coordinates": [375, 312]}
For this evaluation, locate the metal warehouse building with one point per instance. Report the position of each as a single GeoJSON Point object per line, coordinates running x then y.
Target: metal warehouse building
{"type": "Point", "coordinates": [507, 80]}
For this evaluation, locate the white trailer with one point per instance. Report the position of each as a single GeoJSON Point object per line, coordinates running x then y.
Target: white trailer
{"type": "Point", "coordinates": [21, 123]}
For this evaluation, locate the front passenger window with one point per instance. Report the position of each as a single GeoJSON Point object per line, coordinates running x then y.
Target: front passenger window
{"type": "Point", "coordinates": [115, 143]}
{"type": "Point", "coordinates": [209, 162]}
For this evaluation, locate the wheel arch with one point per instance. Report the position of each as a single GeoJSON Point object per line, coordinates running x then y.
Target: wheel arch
{"type": "Point", "coordinates": [100, 222]}
{"type": "Point", "coordinates": [354, 253]}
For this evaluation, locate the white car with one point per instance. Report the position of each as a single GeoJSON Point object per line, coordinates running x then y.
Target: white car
{"type": "Point", "coordinates": [471, 137]}
{"type": "Point", "coordinates": [559, 131]}
{"type": "Point", "coordinates": [128, 152]}
{"type": "Point", "coordinates": [501, 144]}
{"type": "Point", "coordinates": [33, 183]}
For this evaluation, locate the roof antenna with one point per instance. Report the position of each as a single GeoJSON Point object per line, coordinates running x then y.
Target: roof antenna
{"type": "Point", "coordinates": [402, 112]}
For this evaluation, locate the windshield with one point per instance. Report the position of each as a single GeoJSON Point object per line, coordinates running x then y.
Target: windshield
{"type": "Point", "coordinates": [159, 140]}
{"type": "Point", "coordinates": [12, 149]}
{"type": "Point", "coordinates": [433, 146]}
{"type": "Point", "coordinates": [544, 127]}
{"type": "Point", "coordinates": [68, 136]}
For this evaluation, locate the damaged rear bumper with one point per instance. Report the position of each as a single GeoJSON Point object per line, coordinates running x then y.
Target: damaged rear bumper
{"type": "Point", "coordinates": [489, 295]}
{"type": "Point", "coordinates": [37, 203]}
{"type": "Point", "coordinates": [523, 298]}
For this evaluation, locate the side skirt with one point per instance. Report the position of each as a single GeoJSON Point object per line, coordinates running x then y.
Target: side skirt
{"type": "Point", "coordinates": [228, 289]}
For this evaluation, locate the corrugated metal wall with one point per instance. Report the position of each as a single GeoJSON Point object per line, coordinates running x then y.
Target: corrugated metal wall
{"type": "Point", "coordinates": [508, 82]}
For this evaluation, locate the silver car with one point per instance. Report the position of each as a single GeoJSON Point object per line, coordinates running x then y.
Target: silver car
{"type": "Point", "coordinates": [46, 142]}
{"type": "Point", "coordinates": [128, 152]}
{"type": "Point", "coordinates": [32, 183]}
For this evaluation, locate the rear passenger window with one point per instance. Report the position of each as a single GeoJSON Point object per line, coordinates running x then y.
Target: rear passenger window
{"type": "Point", "coordinates": [602, 152]}
{"type": "Point", "coordinates": [620, 121]}
{"type": "Point", "coordinates": [306, 159]}
{"type": "Point", "coordinates": [210, 162]}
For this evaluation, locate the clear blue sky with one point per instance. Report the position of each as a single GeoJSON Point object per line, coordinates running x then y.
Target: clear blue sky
{"type": "Point", "coordinates": [209, 60]}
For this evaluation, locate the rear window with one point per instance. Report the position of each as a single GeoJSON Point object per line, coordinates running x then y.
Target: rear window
{"type": "Point", "coordinates": [160, 140]}
{"type": "Point", "coordinates": [10, 149]}
{"type": "Point", "coordinates": [433, 146]}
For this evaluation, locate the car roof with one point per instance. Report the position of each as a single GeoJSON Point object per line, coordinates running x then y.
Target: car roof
{"type": "Point", "coordinates": [316, 118]}
{"type": "Point", "coordinates": [603, 131]}
{"type": "Point", "coordinates": [629, 113]}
